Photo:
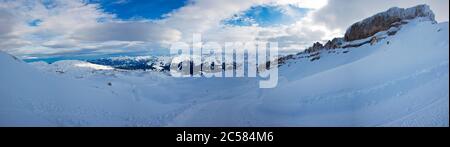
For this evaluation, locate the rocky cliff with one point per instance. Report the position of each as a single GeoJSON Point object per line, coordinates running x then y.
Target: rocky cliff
{"type": "Point", "coordinates": [385, 20]}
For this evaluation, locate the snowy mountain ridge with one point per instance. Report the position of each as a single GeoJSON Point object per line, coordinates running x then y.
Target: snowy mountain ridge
{"type": "Point", "coordinates": [368, 31]}
{"type": "Point", "coordinates": [382, 21]}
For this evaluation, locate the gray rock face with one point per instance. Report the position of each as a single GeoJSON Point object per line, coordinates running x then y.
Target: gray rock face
{"type": "Point", "coordinates": [316, 47]}
{"type": "Point", "coordinates": [385, 20]}
{"type": "Point", "coordinates": [335, 43]}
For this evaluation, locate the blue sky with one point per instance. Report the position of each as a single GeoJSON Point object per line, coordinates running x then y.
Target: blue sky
{"type": "Point", "coordinates": [148, 9]}
{"type": "Point", "coordinates": [268, 15]}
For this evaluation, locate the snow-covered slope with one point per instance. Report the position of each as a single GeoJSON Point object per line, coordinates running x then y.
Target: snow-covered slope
{"type": "Point", "coordinates": [403, 83]}
{"type": "Point", "coordinates": [29, 97]}
{"type": "Point", "coordinates": [400, 83]}
{"type": "Point", "coordinates": [402, 80]}
{"type": "Point", "coordinates": [74, 68]}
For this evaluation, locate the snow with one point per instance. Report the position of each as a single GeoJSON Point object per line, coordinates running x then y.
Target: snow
{"type": "Point", "coordinates": [403, 83]}
{"type": "Point", "coordinates": [74, 68]}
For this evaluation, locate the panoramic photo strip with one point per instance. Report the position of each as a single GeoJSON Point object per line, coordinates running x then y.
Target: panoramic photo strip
{"type": "Point", "coordinates": [223, 64]}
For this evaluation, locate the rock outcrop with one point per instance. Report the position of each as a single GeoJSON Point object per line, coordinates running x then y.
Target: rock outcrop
{"type": "Point", "coordinates": [366, 31]}
{"type": "Point", "coordinates": [385, 20]}
{"type": "Point", "coordinates": [316, 47]}
{"type": "Point", "coordinates": [335, 43]}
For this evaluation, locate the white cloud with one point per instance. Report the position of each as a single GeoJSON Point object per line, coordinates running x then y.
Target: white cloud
{"type": "Point", "coordinates": [202, 15]}
{"type": "Point", "coordinates": [71, 26]}
{"type": "Point", "coordinates": [313, 4]}
{"type": "Point", "coordinates": [128, 31]}
{"type": "Point", "coordinates": [205, 17]}
{"type": "Point", "coordinates": [7, 22]}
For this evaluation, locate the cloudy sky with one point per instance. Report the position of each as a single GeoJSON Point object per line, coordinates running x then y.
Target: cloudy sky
{"type": "Point", "coordinates": [43, 28]}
